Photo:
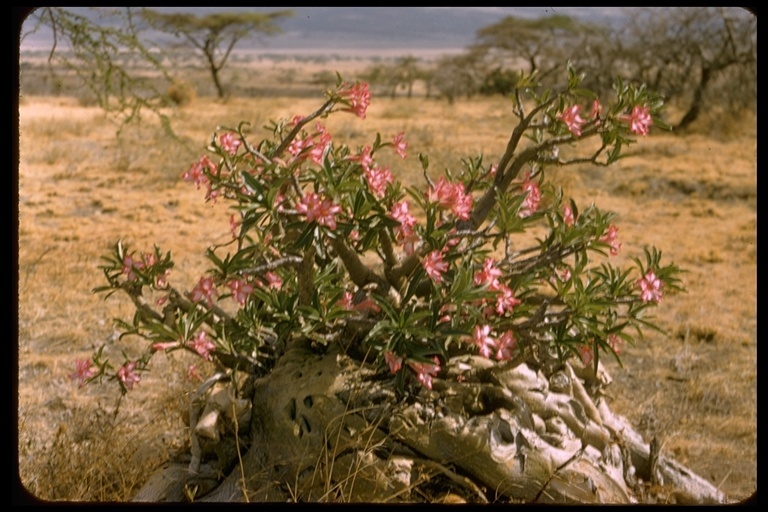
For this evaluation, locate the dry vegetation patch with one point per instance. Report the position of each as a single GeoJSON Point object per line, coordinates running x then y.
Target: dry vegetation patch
{"type": "Point", "coordinates": [80, 190]}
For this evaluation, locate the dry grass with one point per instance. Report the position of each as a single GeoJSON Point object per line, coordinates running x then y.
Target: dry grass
{"type": "Point", "coordinates": [80, 190]}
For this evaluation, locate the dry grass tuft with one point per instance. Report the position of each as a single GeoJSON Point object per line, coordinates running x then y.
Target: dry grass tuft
{"type": "Point", "coordinates": [181, 93]}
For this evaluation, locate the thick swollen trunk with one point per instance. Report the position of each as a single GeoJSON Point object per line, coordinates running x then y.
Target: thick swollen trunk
{"type": "Point", "coordinates": [327, 428]}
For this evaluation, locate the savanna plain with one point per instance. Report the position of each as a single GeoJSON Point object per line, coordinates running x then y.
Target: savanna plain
{"type": "Point", "coordinates": [81, 188]}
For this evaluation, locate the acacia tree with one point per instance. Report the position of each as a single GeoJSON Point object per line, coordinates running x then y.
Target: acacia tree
{"type": "Point", "coordinates": [458, 75]}
{"type": "Point", "coordinates": [401, 74]}
{"type": "Point", "coordinates": [215, 35]}
{"type": "Point", "coordinates": [700, 56]}
{"type": "Point", "coordinates": [406, 72]}
{"type": "Point", "coordinates": [98, 46]}
{"type": "Point", "coordinates": [542, 44]}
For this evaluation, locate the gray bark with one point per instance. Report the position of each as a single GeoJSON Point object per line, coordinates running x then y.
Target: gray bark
{"type": "Point", "coordinates": [328, 428]}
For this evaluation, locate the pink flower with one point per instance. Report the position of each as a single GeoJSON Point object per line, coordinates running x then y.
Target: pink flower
{"type": "Point", "coordinates": [318, 148]}
{"type": "Point", "coordinates": [483, 340]}
{"type": "Point", "coordinates": [196, 172]}
{"type": "Point", "coordinates": [299, 145]}
{"type": "Point", "coordinates": [394, 362]}
{"type": "Point", "coordinates": [346, 301]}
{"type": "Point", "coordinates": [129, 264]}
{"type": "Point", "coordinates": [443, 193]}
{"type": "Point", "coordinates": [377, 179]}
{"type": "Point", "coordinates": [240, 290]}
{"type": "Point", "coordinates": [435, 266]}
{"type": "Point", "coordinates": [426, 371]}
{"type": "Point", "coordinates": [400, 144]}
{"type": "Point", "coordinates": [127, 374]}
{"type": "Point", "coordinates": [505, 345]}
{"type": "Point", "coordinates": [585, 352]}
{"type": "Point", "coordinates": [279, 200]}
{"type": "Point", "coordinates": [148, 259]}
{"type": "Point", "coordinates": [405, 235]}
{"type": "Point", "coordinates": [562, 274]}
{"type": "Point", "coordinates": [463, 206]}
{"type": "Point", "coordinates": [365, 158]}
{"type": "Point", "coordinates": [401, 212]}
{"type": "Point", "coordinates": [650, 287]}
{"type": "Point", "coordinates": [532, 198]}
{"type": "Point", "coordinates": [615, 342]}
{"type": "Point", "coordinates": [506, 300]}
{"type": "Point", "coordinates": [489, 275]}
{"type": "Point", "coordinates": [229, 143]}
{"type": "Point", "coordinates": [322, 211]}
{"type": "Point", "coordinates": [597, 109]}
{"type": "Point", "coordinates": [451, 195]}
{"type": "Point", "coordinates": [446, 310]}
{"type": "Point", "coordinates": [212, 194]}
{"type": "Point", "coordinates": [83, 371]}
{"type": "Point", "coordinates": [572, 120]}
{"type": "Point", "coordinates": [273, 280]}
{"type": "Point", "coordinates": [409, 241]}
{"type": "Point", "coordinates": [204, 290]}
{"type": "Point", "coordinates": [233, 224]}
{"type": "Point", "coordinates": [203, 346]}
{"type": "Point", "coordinates": [493, 169]}
{"type": "Point", "coordinates": [568, 218]}
{"type": "Point", "coordinates": [164, 345]}
{"type": "Point", "coordinates": [639, 120]}
{"type": "Point", "coordinates": [358, 98]}
{"type": "Point", "coordinates": [162, 280]}
{"type": "Point", "coordinates": [610, 238]}
{"type": "Point", "coordinates": [404, 232]}
{"type": "Point", "coordinates": [367, 304]}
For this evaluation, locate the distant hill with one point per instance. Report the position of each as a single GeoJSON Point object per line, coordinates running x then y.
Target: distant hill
{"type": "Point", "coordinates": [377, 30]}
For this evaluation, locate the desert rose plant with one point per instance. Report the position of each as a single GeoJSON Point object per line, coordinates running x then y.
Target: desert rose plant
{"type": "Point", "coordinates": [327, 247]}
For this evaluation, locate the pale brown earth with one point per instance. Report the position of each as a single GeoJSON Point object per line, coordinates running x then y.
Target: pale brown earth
{"type": "Point", "coordinates": [80, 189]}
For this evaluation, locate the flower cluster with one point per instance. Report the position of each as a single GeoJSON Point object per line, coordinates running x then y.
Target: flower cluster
{"type": "Point", "coordinates": [532, 197]}
{"type": "Point", "coordinates": [435, 266]}
{"type": "Point", "coordinates": [229, 143]}
{"type": "Point", "coordinates": [320, 210]}
{"type": "Point", "coordinates": [500, 347]}
{"type": "Point", "coordinates": [358, 98]}
{"type": "Point", "coordinates": [650, 287]}
{"type": "Point", "coordinates": [639, 120]}
{"type": "Point", "coordinates": [128, 374]}
{"type": "Point", "coordinates": [451, 196]}
{"type": "Point", "coordinates": [425, 371]}
{"type": "Point", "coordinates": [204, 291]}
{"type": "Point", "coordinates": [405, 233]}
{"type": "Point", "coordinates": [83, 371]}
{"type": "Point", "coordinates": [573, 120]}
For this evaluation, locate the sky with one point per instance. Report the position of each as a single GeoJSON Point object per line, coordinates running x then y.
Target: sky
{"type": "Point", "coordinates": [375, 30]}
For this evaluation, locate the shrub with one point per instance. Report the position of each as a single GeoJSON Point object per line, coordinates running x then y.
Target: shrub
{"type": "Point", "coordinates": [327, 247]}
{"type": "Point", "coordinates": [181, 93]}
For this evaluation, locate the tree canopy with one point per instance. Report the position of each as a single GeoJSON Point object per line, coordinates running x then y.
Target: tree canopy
{"type": "Point", "coordinates": [216, 34]}
{"type": "Point", "coordinates": [542, 42]}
